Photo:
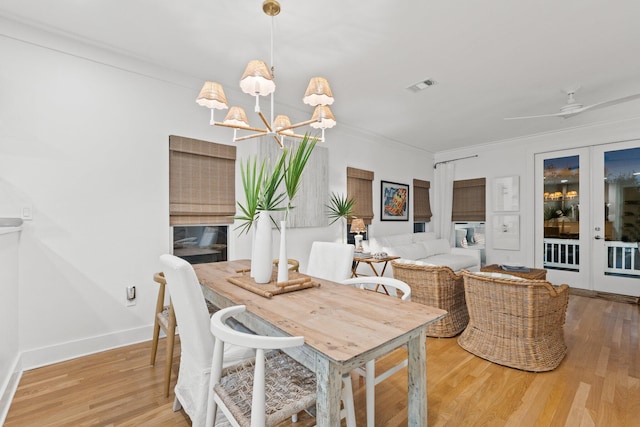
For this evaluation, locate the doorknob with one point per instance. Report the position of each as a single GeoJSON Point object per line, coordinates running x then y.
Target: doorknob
{"type": "Point", "coordinates": [597, 237]}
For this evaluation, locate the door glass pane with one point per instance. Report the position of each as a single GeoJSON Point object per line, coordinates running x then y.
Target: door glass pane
{"type": "Point", "coordinates": [562, 213]}
{"type": "Point", "coordinates": [622, 211]}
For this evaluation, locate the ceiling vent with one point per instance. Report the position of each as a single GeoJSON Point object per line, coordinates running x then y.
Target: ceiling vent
{"type": "Point", "coordinates": [422, 85]}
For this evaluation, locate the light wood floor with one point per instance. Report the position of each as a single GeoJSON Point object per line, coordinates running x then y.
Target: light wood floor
{"type": "Point", "coordinates": [597, 384]}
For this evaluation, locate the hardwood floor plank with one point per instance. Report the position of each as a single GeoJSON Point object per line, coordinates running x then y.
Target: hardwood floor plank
{"type": "Point", "coordinates": [597, 384]}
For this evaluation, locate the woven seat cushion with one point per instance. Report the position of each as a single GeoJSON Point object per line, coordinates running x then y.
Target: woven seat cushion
{"type": "Point", "coordinates": [289, 388]}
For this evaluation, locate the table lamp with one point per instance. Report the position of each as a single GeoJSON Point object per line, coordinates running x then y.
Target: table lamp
{"type": "Point", "coordinates": [357, 227]}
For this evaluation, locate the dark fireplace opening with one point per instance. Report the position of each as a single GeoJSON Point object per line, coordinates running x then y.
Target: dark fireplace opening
{"type": "Point", "coordinates": [199, 244]}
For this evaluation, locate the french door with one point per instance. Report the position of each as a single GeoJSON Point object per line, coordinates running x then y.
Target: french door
{"type": "Point", "coordinates": [588, 217]}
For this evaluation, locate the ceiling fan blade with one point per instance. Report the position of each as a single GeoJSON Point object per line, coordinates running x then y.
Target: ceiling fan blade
{"type": "Point", "coordinates": [611, 102]}
{"type": "Point", "coordinates": [540, 115]}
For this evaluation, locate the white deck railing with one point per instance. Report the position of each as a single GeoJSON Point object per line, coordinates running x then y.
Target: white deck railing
{"type": "Point", "coordinates": [562, 253]}
{"type": "Point", "coordinates": [622, 258]}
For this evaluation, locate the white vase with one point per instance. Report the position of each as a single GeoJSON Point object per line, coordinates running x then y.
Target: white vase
{"type": "Point", "coordinates": [253, 248]}
{"type": "Point", "coordinates": [262, 260]}
{"type": "Point", "coordinates": [283, 261]}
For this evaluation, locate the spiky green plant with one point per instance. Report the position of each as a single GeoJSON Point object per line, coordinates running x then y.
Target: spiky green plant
{"type": "Point", "coordinates": [261, 184]}
{"type": "Point", "coordinates": [252, 185]}
{"type": "Point", "coordinates": [340, 207]}
{"type": "Point", "coordinates": [297, 161]}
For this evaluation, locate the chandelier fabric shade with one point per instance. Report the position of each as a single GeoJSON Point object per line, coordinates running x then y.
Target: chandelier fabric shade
{"type": "Point", "coordinates": [212, 96]}
{"type": "Point", "coordinates": [236, 117]}
{"type": "Point", "coordinates": [257, 80]}
{"type": "Point", "coordinates": [322, 118]}
{"type": "Point", "coordinates": [282, 124]}
{"type": "Point", "coordinates": [318, 92]}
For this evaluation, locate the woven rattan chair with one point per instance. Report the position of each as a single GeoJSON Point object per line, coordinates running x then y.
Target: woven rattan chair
{"type": "Point", "coordinates": [267, 389]}
{"type": "Point", "coordinates": [369, 371]}
{"type": "Point", "coordinates": [515, 322]}
{"type": "Point", "coordinates": [440, 287]}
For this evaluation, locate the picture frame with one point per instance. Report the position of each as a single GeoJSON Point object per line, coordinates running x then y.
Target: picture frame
{"type": "Point", "coordinates": [506, 232]}
{"type": "Point", "coordinates": [394, 201]}
{"type": "Point", "coordinates": [506, 194]}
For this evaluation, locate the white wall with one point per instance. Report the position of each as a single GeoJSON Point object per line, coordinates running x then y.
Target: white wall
{"type": "Point", "coordinates": [516, 157]}
{"type": "Point", "coordinates": [9, 289]}
{"type": "Point", "coordinates": [84, 142]}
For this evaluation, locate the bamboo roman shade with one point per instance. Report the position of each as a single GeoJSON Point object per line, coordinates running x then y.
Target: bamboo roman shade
{"type": "Point", "coordinates": [469, 200]}
{"type": "Point", "coordinates": [201, 182]}
{"type": "Point", "coordinates": [360, 189]}
{"type": "Point", "coordinates": [421, 203]}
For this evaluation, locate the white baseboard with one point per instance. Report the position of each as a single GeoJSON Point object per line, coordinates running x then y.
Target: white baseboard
{"type": "Point", "coordinates": [9, 388]}
{"type": "Point", "coordinates": [43, 356]}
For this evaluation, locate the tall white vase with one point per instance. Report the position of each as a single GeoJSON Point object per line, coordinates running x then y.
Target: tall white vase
{"type": "Point", "coordinates": [253, 249]}
{"type": "Point", "coordinates": [262, 260]}
{"type": "Point", "coordinates": [283, 261]}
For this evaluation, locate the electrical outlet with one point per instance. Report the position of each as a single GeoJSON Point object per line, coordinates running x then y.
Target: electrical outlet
{"type": "Point", "coordinates": [27, 213]}
{"type": "Point", "coordinates": [131, 296]}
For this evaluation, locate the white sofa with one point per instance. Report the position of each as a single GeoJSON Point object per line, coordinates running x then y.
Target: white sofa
{"type": "Point", "coordinates": [421, 248]}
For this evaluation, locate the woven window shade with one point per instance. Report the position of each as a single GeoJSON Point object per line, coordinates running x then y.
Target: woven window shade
{"type": "Point", "coordinates": [469, 202]}
{"type": "Point", "coordinates": [360, 188]}
{"type": "Point", "coordinates": [201, 182]}
{"type": "Point", "coordinates": [421, 203]}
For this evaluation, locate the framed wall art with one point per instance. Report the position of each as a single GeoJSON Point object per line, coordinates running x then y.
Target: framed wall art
{"type": "Point", "coordinates": [506, 232]}
{"type": "Point", "coordinates": [506, 194]}
{"type": "Point", "coordinates": [394, 201]}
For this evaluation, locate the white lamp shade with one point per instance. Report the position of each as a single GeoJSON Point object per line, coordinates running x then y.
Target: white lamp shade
{"type": "Point", "coordinates": [237, 117]}
{"type": "Point", "coordinates": [212, 96]}
{"type": "Point", "coordinates": [318, 92]}
{"type": "Point", "coordinates": [257, 79]}
{"type": "Point", "coordinates": [323, 118]}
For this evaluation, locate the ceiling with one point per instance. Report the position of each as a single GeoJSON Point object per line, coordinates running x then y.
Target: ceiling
{"type": "Point", "coordinates": [491, 59]}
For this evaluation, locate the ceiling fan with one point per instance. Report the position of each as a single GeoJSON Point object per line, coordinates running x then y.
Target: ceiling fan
{"type": "Point", "coordinates": [573, 108]}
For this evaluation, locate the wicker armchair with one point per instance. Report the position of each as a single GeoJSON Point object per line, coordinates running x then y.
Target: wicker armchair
{"type": "Point", "coordinates": [515, 322]}
{"type": "Point", "coordinates": [436, 286]}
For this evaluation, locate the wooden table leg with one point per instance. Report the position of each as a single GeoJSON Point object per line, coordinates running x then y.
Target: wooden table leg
{"type": "Point", "coordinates": [417, 372]}
{"type": "Point", "coordinates": [329, 390]}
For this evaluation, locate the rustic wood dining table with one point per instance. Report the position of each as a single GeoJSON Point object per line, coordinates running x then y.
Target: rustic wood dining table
{"type": "Point", "coordinates": [343, 327]}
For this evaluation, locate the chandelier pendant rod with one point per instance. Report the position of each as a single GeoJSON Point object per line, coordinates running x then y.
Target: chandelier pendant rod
{"type": "Point", "coordinates": [233, 126]}
{"type": "Point", "coordinates": [273, 74]}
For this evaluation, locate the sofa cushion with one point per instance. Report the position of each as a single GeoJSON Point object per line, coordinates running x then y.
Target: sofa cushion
{"type": "Point", "coordinates": [454, 262]}
{"type": "Point", "coordinates": [436, 247]}
{"type": "Point", "coordinates": [421, 237]}
{"type": "Point", "coordinates": [410, 251]}
{"type": "Point", "coordinates": [397, 239]}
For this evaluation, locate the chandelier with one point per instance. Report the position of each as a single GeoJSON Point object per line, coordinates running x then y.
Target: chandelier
{"type": "Point", "coordinates": [257, 80]}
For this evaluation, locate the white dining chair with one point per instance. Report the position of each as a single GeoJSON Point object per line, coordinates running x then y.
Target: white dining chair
{"type": "Point", "coordinates": [369, 371]}
{"type": "Point", "coordinates": [196, 342]}
{"type": "Point", "coordinates": [330, 261]}
{"type": "Point", "coordinates": [279, 386]}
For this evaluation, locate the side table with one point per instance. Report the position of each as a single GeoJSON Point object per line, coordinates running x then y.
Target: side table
{"type": "Point", "coordinates": [532, 274]}
{"type": "Point", "coordinates": [371, 261]}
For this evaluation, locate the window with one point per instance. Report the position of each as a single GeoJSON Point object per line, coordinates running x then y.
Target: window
{"type": "Point", "coordinates": [360, 188]}
{"type": "Point", "coordinates": [421, 204]}
{"type": "Point", "coordinates": [201, 182]}
{"type": "Point", "coordinates": [469, 202]}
